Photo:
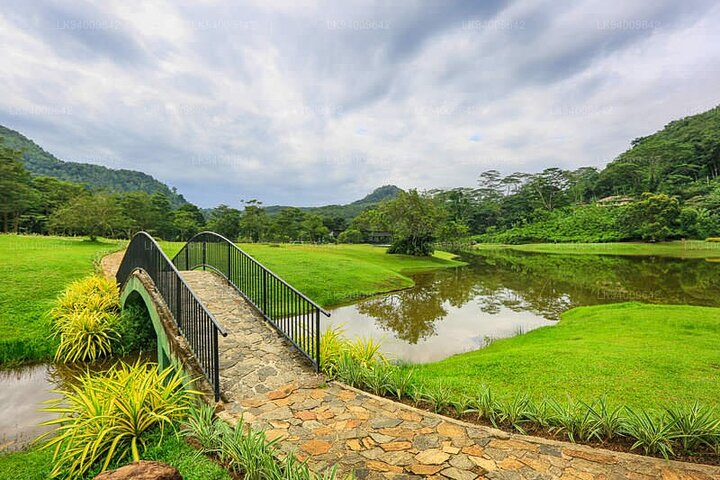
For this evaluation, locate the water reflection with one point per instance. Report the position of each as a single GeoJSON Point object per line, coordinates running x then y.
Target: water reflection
{"type": "Point", "coordinates": [503, 292]}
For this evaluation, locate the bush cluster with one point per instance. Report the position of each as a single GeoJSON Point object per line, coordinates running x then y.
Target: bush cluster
{"type": "Point", "coordinates": [106, 418]}
{"type": "Point", "coordinates": [85, 318]}
{"type": "Point", "coordinates": [88, 321]}
{"type": "Point", "coordinates": [677, 431]}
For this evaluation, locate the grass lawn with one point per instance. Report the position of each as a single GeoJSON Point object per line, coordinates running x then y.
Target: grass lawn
{"type": "Point", "coordinates": [336, 274]}
{"type": "Point", "coordinates": [36, 464]}
{"type": "Point", "coordinates": [639, 355]}
{"type": "Point", "coordinates": [681, 249]}
{"type": "Point", "coordinates": [33, 271]}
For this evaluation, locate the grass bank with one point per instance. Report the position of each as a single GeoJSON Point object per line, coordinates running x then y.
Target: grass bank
{"type": "Point", "coordinates": [639, 355]}
{"type": "Point", "coordinates": [33, 271]}
{"type": "Point", "coordinates": [36, 464]}
{"type": "Point", "coordinates": [336, 274]}
{"type": "Point", "coordinates": [679, 249]}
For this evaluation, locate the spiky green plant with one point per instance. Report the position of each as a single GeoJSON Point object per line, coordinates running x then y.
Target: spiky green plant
{"type": "Point", "coordinates": [484, 405]}
{"type": "Point", "coordinates": [104, 417]}
{"type": "Point", "coordinates": [399, 382]}
{"type": "Point", "coordinates": [94, 292]}
{"type": "Point", "coordinates": [461, 404]}
{"type": "Point", "coordinates": [85, 318]}
{"type": "Point", "coordinates": [654, 434]}
{"type": "Point", "coordinates": [608, 419]}
{"type": "Point", "coordinates": [377, 378]}
{"type": "Point", "coordinates": [416, 393]}
{"type": "Point", "coordinates": [366, 351]}
{"type": "Point", "coordinates": [438, 396]}
{"type": "Point", "coordinates": [516, 412]}
{"type": "Point", "coordinates": [350, 371]}
{"type": "Point", "coordinates": [249, 453]}
{"type": "Point", "coordinates": [694, 426]}
{"type": "Point", "coordinates": [332, 345]}
{"type": "Point", "coordinates": [85, 335]}
{"type": "Point", "coordinates": [202, 425]}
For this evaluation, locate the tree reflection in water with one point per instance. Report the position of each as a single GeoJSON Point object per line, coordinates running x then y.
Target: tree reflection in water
{"type": "Point", "coordinates": [536, 285]}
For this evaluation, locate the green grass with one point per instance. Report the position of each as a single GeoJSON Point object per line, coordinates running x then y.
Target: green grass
{"type": "Point", "coordinates": [680, 249]}
{"type": "Point", "coordinates": [640, 355]}
{"type": "Point", "coordinates": [36, 464]}
{"type": "Point", "coordinates": [336, 274]}
{"type": "Point", "coordinates": [34, 270]}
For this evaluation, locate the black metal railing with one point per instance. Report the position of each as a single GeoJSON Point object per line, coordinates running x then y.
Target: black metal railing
{"type": "Point", "coordinates": [193, 320]}
{"type": "Point", "coordinates": [293, 314]}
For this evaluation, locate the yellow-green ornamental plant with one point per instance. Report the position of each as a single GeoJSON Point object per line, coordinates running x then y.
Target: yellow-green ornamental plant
{"type": "Point", "coordinates": [85, 318]}
{"type": "Point", "coordinates": [104, 417]}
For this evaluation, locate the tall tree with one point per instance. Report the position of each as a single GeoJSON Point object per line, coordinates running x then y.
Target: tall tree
{"type": "Point", "coordinates": [414, 219]}
{"type": "Point", "coordinates": [254, 223]}
{"type": "Point", "coordinates": [225, 221]}
{"type": "Point", "coordinates": [92, 215]}
{"type": "Point", "coordinates": [16, 192]}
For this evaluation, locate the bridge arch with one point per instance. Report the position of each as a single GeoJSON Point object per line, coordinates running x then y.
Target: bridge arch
{"type": "Point", "coordinates": [172, 348]}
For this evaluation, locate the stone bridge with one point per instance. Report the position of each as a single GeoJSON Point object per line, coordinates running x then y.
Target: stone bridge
{"type": "Point", "coordinates": [266, 381]}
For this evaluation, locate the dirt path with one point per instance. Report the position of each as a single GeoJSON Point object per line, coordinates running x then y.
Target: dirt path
{"type": "Point", "coordinates": [111, 263]}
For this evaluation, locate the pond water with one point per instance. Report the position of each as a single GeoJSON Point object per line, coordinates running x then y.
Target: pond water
{"type": "Point", "coordinates": [501, 293]}
{"type": "Point", "coordinates": [23, 391]}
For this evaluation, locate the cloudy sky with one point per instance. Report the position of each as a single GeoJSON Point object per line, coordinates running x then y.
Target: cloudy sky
{"type": "Point", "coordinates": [309, 103]}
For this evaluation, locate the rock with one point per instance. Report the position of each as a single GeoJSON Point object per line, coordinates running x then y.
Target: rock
{"type": "Point", "coordinates": [432, 457]}
{"type": "Point", "coordinates": [450, 430]}
{"type": "Point", "coordinates": [474, 450]}
{"type": "Point", "coordinates": [425, 469]}
{"type": "Point", "coordinates": [591, 456]}
{"type": "Point", "coordinates": [457, 474]}
{"type": "Point", "coordinates": [142, 470]}
{"type": "Point", "coordinates": [316, 447]}
{"type": "Point", "coordinates": [385, 422]}
{"type": "Point", "coordinates": [395, 446]}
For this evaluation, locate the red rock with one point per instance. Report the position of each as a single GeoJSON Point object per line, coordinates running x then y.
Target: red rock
{"type": "Point", "coordinates": [142, 470]}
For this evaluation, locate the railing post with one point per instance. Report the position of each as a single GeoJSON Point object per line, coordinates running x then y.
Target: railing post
{"type": "Point", "coordinates": [317, 338]}
{"type": "Point", "coordinates": [264, 288]}
{"type": "Point", "coordinates": [229, 267]}
{"type": "Point", "coordinates": [204, 253]}
{"type": "Point", "coordinates": [216, 364]}
{"type": "Point", "coordinates": [187, 256]}
{"type": "Point", "coordinates": [178, 303]}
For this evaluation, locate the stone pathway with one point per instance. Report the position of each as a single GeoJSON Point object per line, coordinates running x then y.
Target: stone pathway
{"type": "Point", "coordinates": [275, 389]}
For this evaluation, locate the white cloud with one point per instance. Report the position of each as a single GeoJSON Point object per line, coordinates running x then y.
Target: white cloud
{"type": "Point", "coordinates": [319, 102]}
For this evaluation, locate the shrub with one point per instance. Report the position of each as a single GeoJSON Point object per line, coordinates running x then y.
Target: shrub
{"type": "Point", "coordinates": [105, 417]}
{"type": "Point", "coordinates": [337, 352]}
{"type": "Point", "coordinates": [85, 318]}
{"type": "Point", "coordinates": [85, 335]}
{"type": "Point", "coordinates": [95, 292]}
{"type": "Point", "coordinates": [134, 330]}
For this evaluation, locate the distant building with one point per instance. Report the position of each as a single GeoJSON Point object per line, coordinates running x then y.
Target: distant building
{"type": "Point", "coordinates": [379, 236]}
{"type": "Point", "coordinates": [614, 201]}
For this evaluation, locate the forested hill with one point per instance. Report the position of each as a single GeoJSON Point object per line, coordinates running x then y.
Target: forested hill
{"type": "Point", "coordinates": [682, 159]}
{"type": "Point", "coordinates": [41, 163]}
{"type": "Point", "coordinates": [350, 210]}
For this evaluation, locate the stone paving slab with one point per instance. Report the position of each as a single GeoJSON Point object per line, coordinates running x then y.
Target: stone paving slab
{"type": "Point", "coordinates": [275, 389]}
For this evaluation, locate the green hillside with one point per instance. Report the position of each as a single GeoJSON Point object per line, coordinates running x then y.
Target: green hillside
{"type": "Point", "coordinates": [41, 163]}
{"type": "Point", "coordinates": [347, 211]}
{"type": "Point", "coordinates": [682, 159]}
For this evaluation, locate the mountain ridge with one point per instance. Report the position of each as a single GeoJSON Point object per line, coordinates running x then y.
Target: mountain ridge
{"type": "Point", "coordinates": [40, 162]}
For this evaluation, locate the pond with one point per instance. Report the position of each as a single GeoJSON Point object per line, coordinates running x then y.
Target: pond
{"type": "Point", "coordinates": [501, 293]}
